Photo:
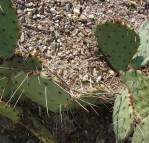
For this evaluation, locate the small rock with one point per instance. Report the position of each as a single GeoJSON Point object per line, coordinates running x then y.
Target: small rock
{"type": "Point", "coordinates": [83, 17]}
{"type": "Point", "coordinates": [85, 77]}
{"type": "Point", "coordinates": [91, 16]}
{"type": "Point", "coordinates": [76, 10]}
{"type": "Point", "coordinates": [29, 4]}
{"type": "Point", "coordinates": [111, 72]}
{"type": "Point", "coordinates": [98, 79]}
{"type": "Point", "coordinates": [53, 10]}
{"type": "Point", "coordinates": [22, 37]}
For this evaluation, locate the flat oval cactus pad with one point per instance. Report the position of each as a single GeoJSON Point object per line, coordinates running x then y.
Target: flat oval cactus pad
{"type": "Point", "coordinates": [123, 117]}
{"type": "Point", "coordinates": [141, 135]}
{"type": "Point", "coordinates": [8, 29]}
{"type": "Point", "coordinates": [138, 85]}
{"type": "Point", "coordinates": [141, 58]}
{"type": "Point", "coordinates": [118, 42]}
{"type": "Point", "coordinates": [41, 90]}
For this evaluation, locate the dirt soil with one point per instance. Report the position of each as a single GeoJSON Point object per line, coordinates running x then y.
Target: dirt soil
{"type": "Point", "coordinates": [61, 33]}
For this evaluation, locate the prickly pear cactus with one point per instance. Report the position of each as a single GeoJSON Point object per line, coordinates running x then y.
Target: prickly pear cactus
{"type": "Point", "coordinates": [22, 78]}
{"type": "Point", "coordinates": [141, 58]}
{"type": "Point", "coordinates": [41, 90]}
{"type": "Point", "coordinates": [8, 29]}
{"type": "Point", "coordinates": [137, 96]}
{"type": "Point", "coordinates": [9, 112]}
{"type": "Point", "coordinates": [141, 134]}
{"type": "Point", "coordinates": [29, 63]}
{"type": "Point", "coordinates": [6, 87]}
{"type": "Point", "coordinates": [123, 116]}
{"type": "Point", "coordinates": [118, 42]}
{"type": "Point", "coordinates": [138, 85]}
{"type": "Point", "coordinates": [48, 93]}
{"type": "Point", "coordinates": [17, 63]}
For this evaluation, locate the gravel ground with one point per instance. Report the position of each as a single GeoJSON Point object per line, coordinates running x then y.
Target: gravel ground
{"type": "Point", "coordinates": [61, 34]}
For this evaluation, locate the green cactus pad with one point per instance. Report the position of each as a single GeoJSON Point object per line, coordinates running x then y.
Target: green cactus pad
{"type": "Point", "coordinates": [41, 90]}
{"type": "Point", "coordinates": [123, 117]}
{"type": "Point", "coordinates": [141, 135]}
{"type": "Point", "coordinates": [26, 119]}
{"type": "Point", "coordinates": [34, 126]}
{"type": "Point", "coordinates": [6, 87]}
{"type": "Point", "coordinates": [29, 63]}
{"type": "Point", "coordinates": [141, 58]}
{"type": "Point", "coordinates": [9, 112]}
{"type": "Point", "coordinates": [4, 68]}
{"type": "Point", "coordinates": [33, 63]}
{"type": "Point", "coordinates": [84, 101]}
{"type": "Point", "coordinates": [16, 63]}
{"type": "Point", "coordinates": [90, 99]}
{"type": "Point", "coordinates": [8, 29]}
{"type": "Point", "coordinates": [118, 42]}
{"type": "Point", "coordinates": [138, 85]}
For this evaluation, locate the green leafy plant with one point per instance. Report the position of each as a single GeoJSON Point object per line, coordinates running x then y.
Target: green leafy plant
{"type": "Point", "coordinates": [126, 49]}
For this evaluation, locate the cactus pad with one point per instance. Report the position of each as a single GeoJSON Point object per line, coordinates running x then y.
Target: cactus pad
{"type": "Point", "coordinates": [8, 29]}
{"type": "Point", "coordinates": [141, 135]}
{"type": "Point", "coordinates": [6, 87]}
{"type": "Point", "coordinates": [118, 42]}
{"type": "Point", "coordinates": [141, 58]}
{"type": "Point", "coordinates": [16, 63]}
{"type": "Point", "coordinates": [29, 63]}
{"type": "Point", "coordinates": [139, 88]}
{"type": "Point", "coordinates": [41, 90]}
{"type": "Point", "coordinates": [9, 112]}
{"type": "Point", "coordinates": [123, 117]}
